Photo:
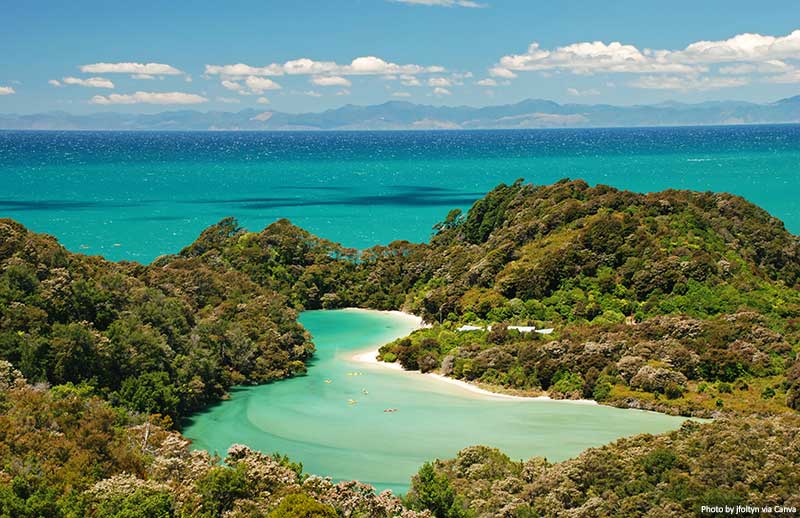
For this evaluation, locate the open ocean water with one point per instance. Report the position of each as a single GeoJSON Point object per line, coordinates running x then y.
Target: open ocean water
{"type": "Point", "coordinates": [137, 195]}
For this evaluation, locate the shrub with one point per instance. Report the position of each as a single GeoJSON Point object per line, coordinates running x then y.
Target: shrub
{"type": "Point", "coordinates": [602, 389]}
{"type": "Point", "coordinates": [567, 383]}
{"type": "Point", "coordinates": [432, 491]}
{"type": "Point", "coordinates": [657, 379]}
{"type": "Point", "coordinates": [300, 505]}
{"type": "Point", "coordinates": [673, 391]}
{"type": "Point", "coordinates": [221, 487]}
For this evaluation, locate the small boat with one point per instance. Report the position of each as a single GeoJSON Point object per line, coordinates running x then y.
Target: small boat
{"type": "Point", "coordinates": [351, 401]}
{"type": "Point", "coordinates": [390, 410]}
{"type": "Point", "coordinates": [364, 391]}
{"type": "Point", "coordinates": [328, 381]}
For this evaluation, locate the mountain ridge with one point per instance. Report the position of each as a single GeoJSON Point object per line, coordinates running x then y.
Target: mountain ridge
{"type": "Point", "coordinates": [403, 115]}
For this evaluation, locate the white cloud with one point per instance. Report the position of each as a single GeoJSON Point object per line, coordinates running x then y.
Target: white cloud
{"type": "Point", "coordinates": [371, 65]}
{"type": "Point", "coordinates": [502, 72]}
{"type": "Point", "coordinates": [747, 47]}
{"type": "Point", "coordinates": [790, 76]}
{"type": "Point", "coordinates": [698, 66]}
{"type": "Point", "coordinates": [408, 80]}
{"type": "Point", "coordinates": [262, 100]}
{"type": "Point", "coordinates": [401, 94]}
{"type": "Point", "coordinates": [439, 81]}
{"type": "Point", "coordinates": [343, 92]}
{"type": "Point", "coordinates": [308, 66]}
{"type": "Point", "coordinates": [7, 90]}
{"type": "Point", "coordinates": [232, 85]}
{"type": "Point", "coordinates": [773, 66]}
{"type": "Point", "coordinates": [241, 70]}
{"type": "Point", "coordinates": [143, 76]}
{"type": "Point", "coordinates": [330, 81]}
{"type": "Point", "coordinates": [590, 58]}
{"type": "Point", "coordinates": [312, 93]}
{"type": "Point", "coordinates": [365, 65]}
{"type": "Point", "coordinates": [486, 82]}
{"type": "Point", "coordinates": [582, 93]}
{"type": "Point", "coordinates": [149, 98]}
{"type": "Point", "coordinates": [252, 85]}
{"type": "Point", "coordinates": [156, 69]}
{"type": "Point", "coordinates": [441, 91]}
{"type": "Point", "coordinates": [444, 3]}
{"type": "Point", "coordinates": [92, 82]}
{"type": "Point", "coordinates": [683, 83]}
{"type": "Point", "coordinates": [259, 85]}
{"type": "Point", "coordinates": [228, 100]}
{"type": "Point", "coordinates": [54, 82]}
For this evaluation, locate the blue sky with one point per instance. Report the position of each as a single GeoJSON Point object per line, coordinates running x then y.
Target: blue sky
{"type": "Point", "coordinates": [295, 56]}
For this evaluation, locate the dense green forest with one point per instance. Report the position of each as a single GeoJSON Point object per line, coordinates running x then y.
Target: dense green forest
{"type": "Point", "coordinates": [167, 339]}
{"type": "Point", "coordinates": [559, 253]}
{"type": "Point", "coordinates": [681, 302]}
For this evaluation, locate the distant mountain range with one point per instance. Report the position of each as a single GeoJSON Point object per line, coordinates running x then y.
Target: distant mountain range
{"type": "Point", "coordinates": [398, 115]}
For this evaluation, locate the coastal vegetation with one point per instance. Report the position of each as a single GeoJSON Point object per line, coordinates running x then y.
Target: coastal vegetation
{"type": "Point", "coordinates": [681, 302]}
{"type": "Point", "coordinates": [165, 340]}
{"type": "Point", "coordinates": [673, 364]}
{"type": "Point", "coordinates": [729, 462]}
{"type": "Point", "coordinates": [66, 452]}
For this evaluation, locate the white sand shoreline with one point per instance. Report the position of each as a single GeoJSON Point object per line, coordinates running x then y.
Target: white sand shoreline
{"type": "Point", "coordinates": [400, 315]}
{"type": "Point", "coordinates": [371, 357]}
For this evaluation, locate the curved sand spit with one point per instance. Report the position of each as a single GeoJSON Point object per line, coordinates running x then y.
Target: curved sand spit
{"type": "Point", "coordinates": [371, 357]}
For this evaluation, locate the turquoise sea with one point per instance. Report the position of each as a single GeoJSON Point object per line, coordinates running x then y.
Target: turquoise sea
{"type": "Point", "coordinates": [130, 195]}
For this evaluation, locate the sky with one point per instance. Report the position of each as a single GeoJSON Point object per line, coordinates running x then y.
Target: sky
{"type": "Point", "coordinates": [308, 55]}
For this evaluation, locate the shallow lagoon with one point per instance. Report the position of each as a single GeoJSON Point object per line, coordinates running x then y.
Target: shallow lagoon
{"type": "Point", "coordinates": [315, 422]}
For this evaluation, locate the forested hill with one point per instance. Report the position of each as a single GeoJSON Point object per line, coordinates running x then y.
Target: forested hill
{"type": "Point", "coordinates": [652, 296]}
{"type": "Point", "coordinates": [556, 253]}
{"type": "Point", "coordinates": [167, 339]}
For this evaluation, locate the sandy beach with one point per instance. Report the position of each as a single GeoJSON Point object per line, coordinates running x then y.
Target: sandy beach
{"type": "Point", "coordinates": [371, 357]}
{"type": "Point", "coordinates": [414, 319]}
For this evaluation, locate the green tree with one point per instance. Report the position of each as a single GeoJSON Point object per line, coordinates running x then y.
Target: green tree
{"type": "Point", "coordinates": [142, 503]}
{"type": "Point", "coordinates": [432, 491]}
{"type": "Point", "coordinates": [151, 392]}
{"type": "Point", "coordinates": [220, 488]}
{"type": "Point", "coordinates": [300, 505]}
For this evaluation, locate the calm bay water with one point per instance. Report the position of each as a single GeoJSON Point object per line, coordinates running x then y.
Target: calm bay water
{"type": "Point", "coordinates": [338, 430]}
{"type": "Point", "coordinates": [139, 195]}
